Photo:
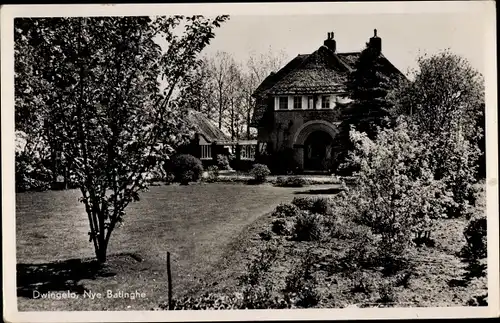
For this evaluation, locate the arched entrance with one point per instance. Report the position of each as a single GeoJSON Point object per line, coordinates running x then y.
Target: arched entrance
{"type": "Point", "coordinates": [313, 144]}
{"type": "Point", "coordinates": [317, 151]}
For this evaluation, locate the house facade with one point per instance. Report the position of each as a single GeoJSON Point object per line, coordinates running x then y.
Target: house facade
{"type": "Point", "coordinates": [209, 142]}
{"type": "Point", "coordinates": [299, 108]}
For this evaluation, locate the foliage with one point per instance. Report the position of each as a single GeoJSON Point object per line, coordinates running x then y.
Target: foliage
{"type": "Point", "coordinates": [303, 203]}
{"type": "Point", "coordinates": [475, 235]}
{"type": "Point", "coordinates": [369, 89]}
{"type": "Point", "coordinates": [292, 181]}
{"type": "Point", "coordinates": [317, 205]}
{"type": "Point", "coordinates": [396, 191]}
{"type": "Point", "coordinates": [213, 173]}
{"type": "Point", "coordinates": [300, 284]}
{"type": "Point", "coordinates": [31, 173]}
{"type": "Point", "coordinates": [90, 86]}
{"type": "Point", "coordinates": [308, 227]}
{"type": "Point", "coordinates": [362, 253]}
{"type": "Point", "coordinates": [387, 294]}
{"type": "Point", "coordinates": [478, 300]}
{"type": "Point", "coordinates": [265, 235]}
{"type": "Point", "coordinates": [446, 102]}
{"type": "Point", "coordinates": [260, 173]}
{"type": "Point", "coordinates": [281, 226]}
{"type": "Point", "coordinates": [320, 206]}
{"type": "Point", "coordinates": [223, 162]}
{"type": "Point", "coordinates": [186, 168]}
{"type": "Point", "coordinates": [286, 210]}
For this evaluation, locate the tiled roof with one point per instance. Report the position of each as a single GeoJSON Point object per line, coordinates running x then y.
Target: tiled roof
{"type": "Point", "coordinates": [206, 127]}
{"type": "Point", "coordinates": [323, 71]}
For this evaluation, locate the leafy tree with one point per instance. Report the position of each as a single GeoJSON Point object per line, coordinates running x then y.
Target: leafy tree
{"type": "Point", "coordinates": [397, 195]}
{"type": "Point", "coordinates": [97, 91]}
{"type": "Point", "coordinates": [446, 101]}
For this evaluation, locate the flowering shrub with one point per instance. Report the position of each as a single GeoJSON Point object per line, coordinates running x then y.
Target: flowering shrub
{"type": "Point", "coordinates": [186, 168]}
{"type": "Point", "coordinates": [397, 195]}
{"type": "Point", "coordinates": [260, 173]}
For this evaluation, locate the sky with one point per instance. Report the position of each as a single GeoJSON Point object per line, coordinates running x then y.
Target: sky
{"type": "Point", "coordinates": [404, 36]}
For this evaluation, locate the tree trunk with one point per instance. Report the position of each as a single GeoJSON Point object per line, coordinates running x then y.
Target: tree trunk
{"type": "Point", "coordinates": [101, 253]}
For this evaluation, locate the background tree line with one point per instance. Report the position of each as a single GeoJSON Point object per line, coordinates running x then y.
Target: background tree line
{"type": "Point", "coordinates": [221, 88]}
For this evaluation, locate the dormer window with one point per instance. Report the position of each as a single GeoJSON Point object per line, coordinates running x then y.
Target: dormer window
{"type": "Point", "coordinates": [325, 102]}
{"type": "Point", "coordinates": [283, 103]}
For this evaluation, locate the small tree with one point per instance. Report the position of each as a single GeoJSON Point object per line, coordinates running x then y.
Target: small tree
{"type": "Point", "coordinates": [446, 102]}
{"type": "Point", "coordinates": [397, 195]}
{"type": "Point", "coordinates": [96, 86]}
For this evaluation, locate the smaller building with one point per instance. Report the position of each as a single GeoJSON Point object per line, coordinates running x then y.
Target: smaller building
{"type": "Point", "coordinates": [209, 142]}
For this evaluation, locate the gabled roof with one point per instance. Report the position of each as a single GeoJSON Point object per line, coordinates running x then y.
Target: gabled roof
{"type": "Point", "coordinates": [320, 72]}
{"type": "Point", "coordinates": [205, 127]}
{"type": "Point", "coordinates": [323, 71]}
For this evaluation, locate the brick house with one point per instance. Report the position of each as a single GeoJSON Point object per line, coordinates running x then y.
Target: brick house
{"type": "Point", "coordinates": [299, 108]}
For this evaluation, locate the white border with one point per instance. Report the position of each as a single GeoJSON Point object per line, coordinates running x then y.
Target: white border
{"type": "Point", "coordinates": [484, 8]}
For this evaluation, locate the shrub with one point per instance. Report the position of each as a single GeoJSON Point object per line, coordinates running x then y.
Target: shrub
{"type": "Point", "coordinates": [31, 173]}
{"type": "Point", "coordinates": [260, 173]}
{"type": "Point", "coordinates": [293, 181]}
{"type": "Point", "coordinates": [397, 195]}
{"type": "Point", "coordinates": [213, 173]}
{"type": "Point", "coordinates": [361, 283]}
{"type": "Point", "coordinates": [362, 253]}
{"type": "Point", "coordinates": [303, 203]}
{"type": "Point", "coordinates": [259, 266]}
{"type": "Point", "coordinates": [169, 178]}
{"type": "Point", "coordinates": [308, 227]}
{"type": "Point", "coordinates": [300, 284]}
{"type": "Point", "coordinates": [285, 210]}
{"type": "Point", "coordinates": [281, 226]}
{"type": "Point", "coordinates": [320, 206]}
{"type": "Point", "coordinates": [475, 235]}
{"type": "Point", "coordinates": [314, 205]}
{"type": "Point", "coordinates": [186, 168]}
{"type": "Point", "coordinates": [387, 295]}
{"type": "Point", "coordinates": [223, 162]}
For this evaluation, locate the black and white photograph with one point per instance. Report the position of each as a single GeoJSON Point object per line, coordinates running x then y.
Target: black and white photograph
{"type": "Point", "coordinates": [206, 161]}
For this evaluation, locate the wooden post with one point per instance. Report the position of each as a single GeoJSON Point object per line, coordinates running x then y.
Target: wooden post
{"type": "Point", "coordinates": [169, 277]}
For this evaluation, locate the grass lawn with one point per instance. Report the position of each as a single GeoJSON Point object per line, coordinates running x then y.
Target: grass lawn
{"type": "Point", "coordinates": [199, 225]}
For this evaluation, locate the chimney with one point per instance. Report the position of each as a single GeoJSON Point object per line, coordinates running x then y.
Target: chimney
{"type": "Point", "coordinates": [376, 42]}
{"type": "Point", "coordinates": [330, 42]}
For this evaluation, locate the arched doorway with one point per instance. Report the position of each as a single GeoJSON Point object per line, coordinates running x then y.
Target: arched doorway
{"type": "Point", "coordinates": [318, 151]}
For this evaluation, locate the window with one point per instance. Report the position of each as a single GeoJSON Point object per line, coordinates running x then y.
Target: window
{"type": "Point", "coordinates": [310, 102]}
{"type": "Point", "coordinates": [206, 151]}
{"type": "Point", "coordinates": [325, 102]}
{"type": "Point", "coordinates": [283, 104]}
{"type": "Point", "coordinates": [248, 152]}
{"type": "Point", "coordinates": [297, 102]}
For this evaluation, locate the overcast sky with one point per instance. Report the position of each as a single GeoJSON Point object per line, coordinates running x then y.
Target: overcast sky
{"type": "Point", "coordinates": [404, 36]}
